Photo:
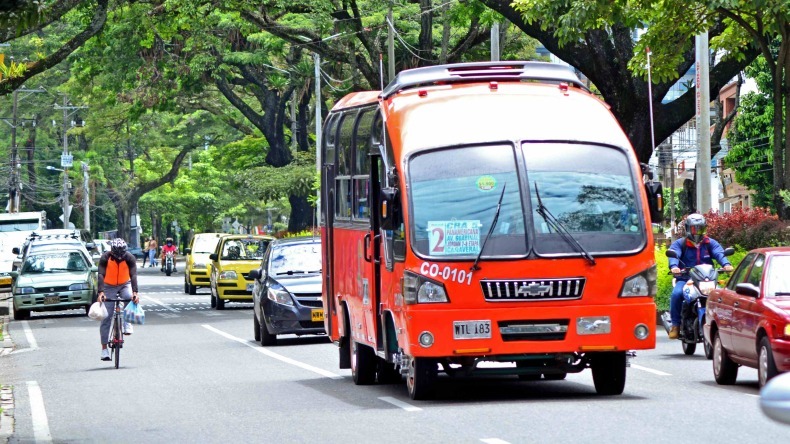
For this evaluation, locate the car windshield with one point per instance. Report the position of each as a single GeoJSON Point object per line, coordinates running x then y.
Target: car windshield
{"type": "Point", "coordinates": [205, 244]}
{"type": "Point", "coordinates": [455, 194]}
{"type": "Point", "coordinates": [55, 262]}
{"type": "Point", "coordinates": [778, 278]}
{"type": "Point", "coordinates": [295, 259]}
{"type": "Point", "coordinates": [591, 191]}
{"type": "Point", "coordinates": [244, 249]}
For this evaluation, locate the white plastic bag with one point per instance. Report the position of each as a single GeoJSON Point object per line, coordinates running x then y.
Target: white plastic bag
{"type": "Point", "coordinates": [98, 311]}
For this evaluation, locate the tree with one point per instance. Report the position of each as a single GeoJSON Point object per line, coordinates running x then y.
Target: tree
{"type": "Point", "coordinates": [597, 38]}
{"type": "Point", "coordinates": [32, 17]}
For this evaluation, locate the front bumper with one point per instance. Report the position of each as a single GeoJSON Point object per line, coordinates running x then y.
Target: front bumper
{"type": "Point", "coordinates": [623, 320]}
{"type": "Point", "coordinates": [199, 277]}
{"type": "Point", "coordinates": [293, 319]}
{"type": "Point", "coordinates": [236, 290]}
{"type": "Point", "coordinates": [53, 302]}
{"type": "Point", "coordinates": [781, 350]}
{"type": "Point", "coordinates": [5, 283]}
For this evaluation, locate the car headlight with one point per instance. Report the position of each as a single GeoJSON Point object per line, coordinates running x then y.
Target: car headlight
{"type": "Point", "coordinates": [642, 284]}
{"type": "Point", "coordinates": [81, 286]}
{"type": "Point", "coordinates": [279, 296]}
{"type": "Point", "coordinates": [418, 289]}
{"type": "Point", "coordinates": [198, 266]}
{"type": "Point", "coordinates": [24, 290]}
{"type": "Point", "coordinates": [706, 287]}
{"type": "Point", "coordinates": [228, 275]}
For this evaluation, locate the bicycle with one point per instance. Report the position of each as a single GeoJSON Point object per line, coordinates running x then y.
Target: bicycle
{"type": "Point", "coordinates": [116, 331]}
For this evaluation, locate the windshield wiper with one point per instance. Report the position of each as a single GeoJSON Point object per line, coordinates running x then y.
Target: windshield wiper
{"type": "Point", "coordinates": [560, 228]}
{"type": "Point", "coordinates": [490, 230]}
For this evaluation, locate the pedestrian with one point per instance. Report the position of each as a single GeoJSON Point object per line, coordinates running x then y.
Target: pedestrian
{"type": "Point", "coordinates": [145, 251]}
{"type": "Point", "coordinates": [152, 249]}
{"type": "Point", "coordinates": [117, 280]}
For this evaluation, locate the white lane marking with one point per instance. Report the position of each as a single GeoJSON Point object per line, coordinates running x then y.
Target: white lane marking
{"type": "Point", "coordinates": [274, 355]}
{"type": "Point", "coordinates": [494, 441]}
{"type": "Point", "coordinates": [39, 414]}
{"type": "Point", "coordinates": [752, 395]}
{"type": "Point", "coordinates": [158, 302]}
{"type": "Point", "coordinates": [650, 370]}
{"type": "Point", "coordinates": [31, 340]}
{"type": "Point", "coordinates": [399, 403]}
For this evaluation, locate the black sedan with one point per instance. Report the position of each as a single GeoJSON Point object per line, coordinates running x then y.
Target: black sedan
{"type": "Point", "coordinates": [287, 290]}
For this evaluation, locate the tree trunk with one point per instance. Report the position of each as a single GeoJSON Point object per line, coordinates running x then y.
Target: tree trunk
{"type": "Point", "coordinates": [301, 214]}
{"type": "Point", "coordinates": [784, 210]}
{"type": "Point", "coordinates": [426, 33]}
{"type": "Point", "coordinates": [778, 125]}
{"type": "Point", "coordinates": [123, 212]}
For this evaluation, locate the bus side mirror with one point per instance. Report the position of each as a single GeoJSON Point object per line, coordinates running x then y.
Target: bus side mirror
{"type": "Point", "coordinates": [388, 200]}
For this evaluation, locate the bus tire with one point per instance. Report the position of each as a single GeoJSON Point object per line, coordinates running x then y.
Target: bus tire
{"type": "Point", "coordinates": [608, 369]}
{"type": "Point", "coordinates": [421, 378]}
{"type": "Point", "coordinates": [363, 364]}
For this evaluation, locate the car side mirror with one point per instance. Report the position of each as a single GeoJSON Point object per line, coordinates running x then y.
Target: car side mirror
{"type": "Point", "coordinates": [90, 246]}
{"type": "Point", "coordinates": [15, 250]}
{"type": "Point", "coordinates": [729, 251]}
{"type": "Point", "coordinates": [187, 250]}
{"type": "Point", "coordinates": [95, 269]}
{"type": "Point", "coordinates": [14, 274]}
{"type": "Point", "coordinates": [747, 289]}
{"type": "Point", "coordinates": [775, 398]}
{"type": "Point", "coordinates": [672, 254]}
{"type": "Point", "coordinates": [213, 256]}
{"type": "Point", "coordinates": [255, 274]}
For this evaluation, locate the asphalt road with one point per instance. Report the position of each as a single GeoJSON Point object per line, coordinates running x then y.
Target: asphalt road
{"type": "Point", "coordinates": [193, 374]}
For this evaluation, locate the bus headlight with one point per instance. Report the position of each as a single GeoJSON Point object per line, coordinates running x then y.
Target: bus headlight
{"type": "Point", "coordinates": [643, 284]}
{"type": "Point", "coordinates": [418, 289]}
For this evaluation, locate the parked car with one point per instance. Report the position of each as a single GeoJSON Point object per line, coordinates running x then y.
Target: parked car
{"type": "Point", "coordinates": [231, 262]}
{"type": "Point", "coordinates": [287, 290]}
{"type": "Point", "coordinates": [54, 277]}
{"type": "Point", "coordinates": [197, 272]}
{"type": "Point", "coordinates": [748, 321]}
{"type": "Point", "coordinates": [42, 238]}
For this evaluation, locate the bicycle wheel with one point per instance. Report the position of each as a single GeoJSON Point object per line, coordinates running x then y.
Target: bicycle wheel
{"type": "Point", "coordinates": [118, 338]}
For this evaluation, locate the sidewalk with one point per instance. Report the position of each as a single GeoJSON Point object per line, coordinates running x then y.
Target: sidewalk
{"type": "Point", "coordinates": [6, 391]}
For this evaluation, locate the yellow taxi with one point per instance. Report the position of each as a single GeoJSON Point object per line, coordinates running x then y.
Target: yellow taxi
{"type": "Point", "coordinates": [231, 262]}
{"type": "Point", "coordinates": [197, 272]}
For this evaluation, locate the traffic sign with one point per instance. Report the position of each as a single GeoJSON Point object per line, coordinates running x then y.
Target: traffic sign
{"type": "Point", "coordinates": [66, 160]}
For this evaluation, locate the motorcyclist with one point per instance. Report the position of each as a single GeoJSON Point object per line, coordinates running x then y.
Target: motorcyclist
{"type": "Point", "coordinates": [169, 247]}
{"type": "Point", "coordinates": [694, 249]}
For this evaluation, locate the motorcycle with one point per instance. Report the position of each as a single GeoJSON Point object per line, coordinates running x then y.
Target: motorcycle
{"type": "Point", "coordinates": [169, 263]}
{"type": "Point", "coordinates": [703, 278]}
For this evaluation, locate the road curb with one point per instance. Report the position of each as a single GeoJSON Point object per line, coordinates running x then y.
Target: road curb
{"type": "Point", "coordinates": [6, 391]}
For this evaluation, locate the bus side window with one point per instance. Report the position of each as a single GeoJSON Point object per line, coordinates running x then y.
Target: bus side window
{"type": "Point", "coordinates": [361, 176]}
{"type": "Point", "coordinates": [344, 156]}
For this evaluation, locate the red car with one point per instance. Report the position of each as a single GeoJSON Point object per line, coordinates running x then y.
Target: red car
{"type": "Point", "coordinates": [748, 321]}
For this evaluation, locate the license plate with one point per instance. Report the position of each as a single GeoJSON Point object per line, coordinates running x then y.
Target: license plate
{"type": "Point", "coordinates": [471, 329]}
{"type": "Point", "coordinates": [317, 315]}
{"type": "Point", "coordinates": [250, 287]}
{"type": "Point", "coordinates": [51, 299]}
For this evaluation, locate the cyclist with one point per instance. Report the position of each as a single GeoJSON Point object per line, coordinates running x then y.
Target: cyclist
{"type": "Point", "coordinates": [118, 278]}
{"type": "Point", "coordinates": [696, 248]}
{"type": "Point", "coordinates": [169, 247]}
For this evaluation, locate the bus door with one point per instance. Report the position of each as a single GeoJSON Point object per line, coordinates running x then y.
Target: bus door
{"type": "Point", "coordinates": [328, 219]}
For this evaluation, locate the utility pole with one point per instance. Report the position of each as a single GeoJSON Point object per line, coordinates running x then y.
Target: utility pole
{"type": "Point", "coordinates": [318, 132]}
{"type": "Point", "coordinates": [66, 159]}
{"type": "Point", "coordinates": [495, 42]}
{"type": "Point", "coordinates": [703, 124]}
{"type": "Point", "coordinates": [13, 194]}
{"type": "Point", "coordinates": [86, 211]}
{"type": "Point", "coordinates": [390, 45]}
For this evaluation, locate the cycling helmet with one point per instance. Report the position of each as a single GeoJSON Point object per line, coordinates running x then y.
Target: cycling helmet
{"type": "Point", "coordinates": [696, 227]}
{"type": "Point", "coordinates": [118, 247]}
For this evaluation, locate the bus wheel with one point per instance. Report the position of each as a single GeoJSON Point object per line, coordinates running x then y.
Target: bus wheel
{"type": "Point", "coordinates": [608, 371]}
{"type": "Point", "coordinates": [422, 374]}
{"type": "Point", "coordinates": [363, 364]}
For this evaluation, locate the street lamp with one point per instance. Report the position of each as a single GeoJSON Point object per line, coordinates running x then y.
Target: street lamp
{"type": "Point", "coordinates": [51, 168]}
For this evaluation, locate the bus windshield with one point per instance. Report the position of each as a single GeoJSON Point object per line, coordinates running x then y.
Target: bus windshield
{"type": "Point", "coordinates": [591, 191]}
{"type": "Point", "coordinates": [455, 194]}
{"type": "Point", "coordinates": [19, 225]}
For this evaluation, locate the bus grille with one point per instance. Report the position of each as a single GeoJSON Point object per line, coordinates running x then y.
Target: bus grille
{"type": "Point", "coordinates": [533, 289]}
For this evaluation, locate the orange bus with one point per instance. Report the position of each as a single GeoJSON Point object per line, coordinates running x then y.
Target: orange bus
{"type": "Point", "coordinates": [484, 212]}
